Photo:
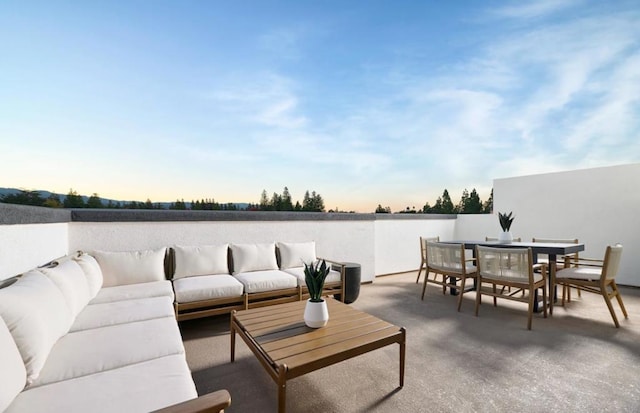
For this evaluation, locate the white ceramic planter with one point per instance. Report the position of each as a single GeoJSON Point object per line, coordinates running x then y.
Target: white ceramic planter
{"type": "Point", "coordinates": [505, 237]}
{"type": "Point", "coordinates": [316, 314]}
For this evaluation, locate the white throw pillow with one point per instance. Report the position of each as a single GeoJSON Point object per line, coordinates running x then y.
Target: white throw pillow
{"type": "Point", "coordinates": [37, 315]}
{"type": "Point", "coordinates": [253, 257]}
{"type": "Point", "coordinates": [70, 279]}
{"type": "Point", "coordinates": [201, 260]}
{"type": "Point", "coordinates": [130, 267]}
{"type": "Point", "coordinates": [296, 254]}
{"type": "Point", "coordinates": [13, 375]}
{"type": "Point", "coordinates": [92, 271]}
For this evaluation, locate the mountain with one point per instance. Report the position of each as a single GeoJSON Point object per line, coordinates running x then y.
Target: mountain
{"type": "Point", "coordinates": [46, 194]}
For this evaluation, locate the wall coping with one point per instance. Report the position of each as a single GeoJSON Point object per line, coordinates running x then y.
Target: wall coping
{"type": "Point", "coordinates": [23, 214]}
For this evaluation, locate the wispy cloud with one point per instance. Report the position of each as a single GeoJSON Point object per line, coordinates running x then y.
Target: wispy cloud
{"type": "Point", "coordinates": [540, 8]}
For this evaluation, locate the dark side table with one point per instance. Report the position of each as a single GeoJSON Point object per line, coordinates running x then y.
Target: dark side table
{"type": "Point", "coordinates": [352, 274]}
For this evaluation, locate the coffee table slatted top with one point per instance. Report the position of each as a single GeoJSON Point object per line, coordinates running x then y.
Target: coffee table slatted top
{"type": "Point", "coordinates": [284, 339]}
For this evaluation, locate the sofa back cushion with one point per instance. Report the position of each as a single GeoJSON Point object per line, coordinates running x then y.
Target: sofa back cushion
{"type": "Point", "coordinates": [296, 254]}
{"type": "Point", "coordinates": [253, 257]}
{"type": "Point", "coordinates": [13, 375]}
{"type": "Point", "coordinates": [37, 315]}
{"type": "Point", "coordinates": [130, 267]}
{"type": "Point", "coordinates": [200, 260]}
{"type": "Point", "coordinates": [70, 279]}
{"type": "Point", "coordinates": [92, 272]}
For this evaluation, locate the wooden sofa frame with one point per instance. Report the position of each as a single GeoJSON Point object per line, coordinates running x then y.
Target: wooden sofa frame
{"type": "Point", "coordinates": [225, 305]}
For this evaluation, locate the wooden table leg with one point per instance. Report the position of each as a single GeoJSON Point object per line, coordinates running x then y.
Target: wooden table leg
{"type": "Point", "coordinates": [282, 388]}
{"type": "Point", "coordinates": [233, 337]}
{"type": "Point", "coordinates": [402, 354]}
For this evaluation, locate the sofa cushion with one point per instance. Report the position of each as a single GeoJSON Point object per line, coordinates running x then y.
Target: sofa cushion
{"type": "Point", "coordinates": [131, 267]}
{"type": "Point", "coordinates": [37, 315]}
{"type": "Point", "coordinates": [134, 291]}
{"type": "Point", "coordinates": [100, 349]}
{"type": "Point", "coordinates": [253, 257]}
{"type": "Point", "coordinates": [141, 387]}
{"type": "Point", "coordinates": [121, 312]}
{"type": "Point", "coordinates": [206, 287]}
{"type": "Point", "coordinates": [296, 254]}
{"type": "Point", "coordinates": [71, 280]}
{"type": "Point", "coordinates": [201, 260]}
{"type": "Point", "coordinates": [259, 281]}
{"type": "Point", "coordinates": [92, 271]}
{"type": "Point", "coordinates": [333, 276]}
{"type": "Point", "coordinates": [13, 375]}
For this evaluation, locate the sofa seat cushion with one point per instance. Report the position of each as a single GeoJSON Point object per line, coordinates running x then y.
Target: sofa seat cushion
{"type": "Point", "coordinates": [130, 267]}
{"type": "Point", "coordinates": [201, 260]}
{"type": "Point", "coordinates": [206, 287]}
{"type": "Point", "coordinates": [37, 315]}
{"type": "Point", "coordinates": [13, 374]}
{"type": "Point", "coordinates": [259, 281]}
{"type": "Point", "coordinates": [134, 291]}
{"type": "Point", "coordinates": [121, 312]}
{"type": "Point", "coordinates": [92, 351]}
{"type": "Point", "coordinates": [141, 387]}
{"type": "Point", "coordinates": [298, 272]}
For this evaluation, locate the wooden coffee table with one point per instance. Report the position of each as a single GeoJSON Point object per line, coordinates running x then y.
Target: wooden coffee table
{"type": "Point", "coordinates": [287, 348]}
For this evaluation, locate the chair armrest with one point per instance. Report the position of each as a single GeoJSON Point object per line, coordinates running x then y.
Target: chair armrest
{"type": "Point", "coordinates": [542, 267]}
{"type": "Point", "coordinates": [213, 402]}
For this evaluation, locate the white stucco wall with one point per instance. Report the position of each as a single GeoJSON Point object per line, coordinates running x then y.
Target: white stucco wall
{"type": "Point", "coordinates": [598, 206]}
{"type": "Point", "coordinates": [397, 246]}
{"type": "Point", "coordinates": [23, 247]}
{"type": "Point", "coordinates": [476, 227]}
{"type": "Point", "coordinates": [337, 240]}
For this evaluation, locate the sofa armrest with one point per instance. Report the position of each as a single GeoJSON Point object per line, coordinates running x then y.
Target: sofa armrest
{"type": "Point", "coordinates": [213, 402]}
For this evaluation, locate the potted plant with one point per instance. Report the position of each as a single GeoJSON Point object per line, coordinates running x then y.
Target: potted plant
{"type": "Point", "coordinates": [315, 313]}
{"type": "Point", "coordinates": [505, 223]}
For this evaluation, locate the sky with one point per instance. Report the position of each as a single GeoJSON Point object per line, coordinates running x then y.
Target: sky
{"type": "Point", "coordinates": [365, 102]}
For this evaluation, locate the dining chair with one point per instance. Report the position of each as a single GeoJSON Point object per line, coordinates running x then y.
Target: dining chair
{"type": "Point", "coordinates": [449, 261]}
{"type": "Point", "coordinates": [512, 267]}
{"type": "Point", "coordinates": [595, 276]}
{"type": "Point", "coordinates": [423, 254]}
{"type": "Point", "coordinates": [560, 259]}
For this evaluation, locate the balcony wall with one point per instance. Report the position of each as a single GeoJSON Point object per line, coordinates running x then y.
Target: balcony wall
{"type": "Point", "coordinates": [597, 206]}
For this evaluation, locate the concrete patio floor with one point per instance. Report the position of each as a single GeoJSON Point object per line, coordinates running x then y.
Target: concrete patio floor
{"type": "Point", "coordinates": [575, 361]}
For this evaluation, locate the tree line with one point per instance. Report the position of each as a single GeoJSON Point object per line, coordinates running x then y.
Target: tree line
{"type": "Point", "coordinates": [470, 203]}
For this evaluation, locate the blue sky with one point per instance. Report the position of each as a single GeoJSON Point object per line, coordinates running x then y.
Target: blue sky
{"type": "Point", "coordinates": [365, 102]}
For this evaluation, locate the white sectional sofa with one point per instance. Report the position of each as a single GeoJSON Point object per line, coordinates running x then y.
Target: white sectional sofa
{"type": "Point", "coordinates": [217, 279]}
{"type": "Point", "coordinates": [95, 333]}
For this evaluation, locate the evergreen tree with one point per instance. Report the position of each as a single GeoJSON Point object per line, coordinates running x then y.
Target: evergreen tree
{"type": "Point", "coordinates": [53, 201]}
{"type": "Point", "coordinates": [426, 208]}
{"type": "Point", "coordinates": [383, 210]}
{"type": "Point", "coordinates": [462, 205]}
{"type": "Point", "coordinates": [264, 201]}
{"type": "Point", "coordinates": [447, 205]}
{"type": "Point", "coordinates": [297, 207]}
{"type": "Point", "coordinates": [488, 205]}
{"type": "Point", "coordinates": [474, 203]}
{"type": "Point", "coordinates": [286, 204]}
{"type": "Point", "coordinates": [306, 201]}
{"type": "Point", "coordinates": [94, 201]}
{"type": "Point", "coordinates": [276, 202]}
{"type": "Point", "coordinates": [73, 200]}
{"type": "Point", "coordinates": [24, 198]}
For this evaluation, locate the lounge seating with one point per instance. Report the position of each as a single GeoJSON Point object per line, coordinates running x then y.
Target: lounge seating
{"type": "Point", "coordinates": [95, 333]}
{"type": "Point", "coordinates": [595, 276]}
{"type": "Point", "coordinates": [217, 279]}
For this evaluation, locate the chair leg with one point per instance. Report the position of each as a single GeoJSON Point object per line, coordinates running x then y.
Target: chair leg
{"type": "Point", "coordinates": [420, 272]}
{"type": "Point", "coordinates": [607, 300]}
{"type": "Point", "coordinates": [461, 293]}
{"type": "Point", "coordinates": [495, 299]}
{"type": "Point", "coordinates": [544, 300]}
{"type": "Point", "coordinates": [619, 298]}
{"type": "Point", "coordinates": [424, 285]}
{"type": "Point", "coordinates": [478, 295]}
{"type": "Point", "coordinates": [530, 314]}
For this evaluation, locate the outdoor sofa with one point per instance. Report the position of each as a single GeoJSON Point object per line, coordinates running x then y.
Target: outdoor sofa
{"type": "Point", "coordinates": [95, 333]}
{"type": "Point", "coordinates": [216, 279]}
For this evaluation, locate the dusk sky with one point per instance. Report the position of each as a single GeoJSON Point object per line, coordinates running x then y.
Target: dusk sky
{"type": "Point", "coordinates": [365, 102]}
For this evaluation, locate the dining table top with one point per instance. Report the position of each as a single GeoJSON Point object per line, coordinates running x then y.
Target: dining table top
{"type": "Point", "coordinates": [536, 247]}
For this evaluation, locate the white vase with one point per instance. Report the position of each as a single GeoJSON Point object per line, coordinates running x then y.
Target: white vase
{"type": "Point", "coordinates": [505, 237]}
{"type": "Point", "coordinates": [316, 314]}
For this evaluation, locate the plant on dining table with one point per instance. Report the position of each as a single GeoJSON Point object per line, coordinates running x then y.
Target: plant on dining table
{"type": "Point", "coordinates": [505, 220]}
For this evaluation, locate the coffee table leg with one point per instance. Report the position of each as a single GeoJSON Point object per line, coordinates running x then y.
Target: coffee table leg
{"type": "Point", "coordinates": [402, 355]}
{"type": "Point", "coordinates": [282, 388]}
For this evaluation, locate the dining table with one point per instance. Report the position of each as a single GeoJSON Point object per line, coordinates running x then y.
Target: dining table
{"type": "Point", "coordinates": [552, 250]}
